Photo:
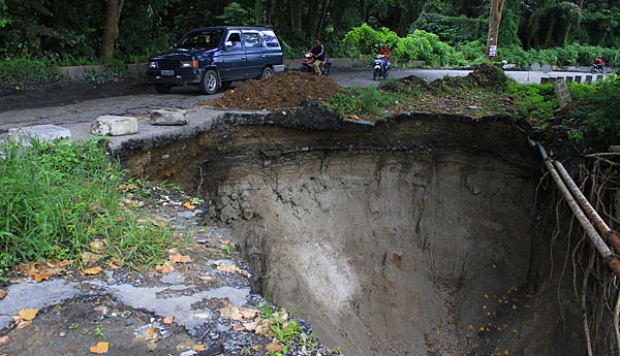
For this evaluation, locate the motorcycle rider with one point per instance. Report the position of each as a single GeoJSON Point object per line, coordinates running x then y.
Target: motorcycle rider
{"type": "Point", "coordinates": [598, 63]}
{"type": "Point", "coordinates": [387, 53]}
{"type": "Point", "coordinates": [318, 53]}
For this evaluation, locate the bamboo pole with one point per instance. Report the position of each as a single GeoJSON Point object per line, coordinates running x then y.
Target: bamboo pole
{"type": "Point", "coordinates": [612, 260]}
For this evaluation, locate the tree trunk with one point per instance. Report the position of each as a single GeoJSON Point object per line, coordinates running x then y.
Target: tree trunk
{"type": "Point", "coordinates": [325, 5]}
{"type": "Point", "coordinates": [270, 6]}
{"type": "Point", "coordinates": [296, 15]}
{"type": "Point", "coordinates": [110, 32]}
{"type": "Point", "coordinates": [494, 21]}
{"type": "Point", "coordinates": [364, 10]}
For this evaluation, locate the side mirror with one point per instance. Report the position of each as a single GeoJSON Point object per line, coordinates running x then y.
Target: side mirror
{"type": "Point", "coordinates": [228, 44]}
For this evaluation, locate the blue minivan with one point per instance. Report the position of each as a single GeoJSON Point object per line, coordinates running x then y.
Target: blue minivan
{"type": "Point", "coordinates": [214, 57]}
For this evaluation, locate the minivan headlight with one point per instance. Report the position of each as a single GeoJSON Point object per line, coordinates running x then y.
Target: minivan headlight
{"type": "Point", "coordinates": [152, 65]}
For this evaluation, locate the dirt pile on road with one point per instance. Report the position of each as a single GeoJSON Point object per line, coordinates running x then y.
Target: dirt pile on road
{"type": "Point", "coordinates": [286, 90]}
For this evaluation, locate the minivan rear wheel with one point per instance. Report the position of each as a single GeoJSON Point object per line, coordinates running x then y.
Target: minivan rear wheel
{"type": "Point", "coordinates": [267, 72]}
{"type": "Point", "coordinates": [209, 83]}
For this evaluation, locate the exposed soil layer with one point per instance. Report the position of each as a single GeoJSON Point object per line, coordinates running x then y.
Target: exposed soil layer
{"type": "Point", "coordinates": [416, 235]}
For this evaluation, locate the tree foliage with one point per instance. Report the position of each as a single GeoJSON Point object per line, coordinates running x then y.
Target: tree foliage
{"type": "Point", "coordinates": [68, 30]}
{"type": "Point", "coordinates": [364, 41]}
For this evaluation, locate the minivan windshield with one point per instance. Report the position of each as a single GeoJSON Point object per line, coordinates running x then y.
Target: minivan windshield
{"type": "Point", "coordinates": [201, 39]}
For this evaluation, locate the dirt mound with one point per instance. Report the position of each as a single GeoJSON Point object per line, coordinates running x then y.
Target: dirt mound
{"type": "Point", "coordinates": [285, 90]}
{"type": "Point", "coordinates": [486, 76]}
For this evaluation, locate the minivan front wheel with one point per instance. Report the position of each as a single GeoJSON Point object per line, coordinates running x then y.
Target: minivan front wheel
{"type": "Point", "coordinates": [267, 72]}
{"type": "Point", "coordinates": [209, 83]}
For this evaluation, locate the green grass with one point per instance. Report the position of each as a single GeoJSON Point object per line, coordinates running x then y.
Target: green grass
{"type": "Point", "coordinates": [364, 101]}
{"type": "Point", "coordinates": [536, 102]}
{"type": "Point", "coordinates": [56, 198]}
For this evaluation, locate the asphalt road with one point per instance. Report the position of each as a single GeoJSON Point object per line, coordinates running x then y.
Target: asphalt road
{"type": "Point", "coordinates": [144, 103]}
{"type": "Point", "coordinates": [363, 77]}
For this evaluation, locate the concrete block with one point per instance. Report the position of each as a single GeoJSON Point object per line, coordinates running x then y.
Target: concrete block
{"type": "Point", "coordinates": [169, 117]}
{"type": "Point", "coordinates": [41, 133]}
{"type": "Point", "coordinates": [109, 125]}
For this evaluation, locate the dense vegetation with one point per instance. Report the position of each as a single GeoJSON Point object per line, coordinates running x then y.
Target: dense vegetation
{"type": "Point", "coordinates": [74, 32]}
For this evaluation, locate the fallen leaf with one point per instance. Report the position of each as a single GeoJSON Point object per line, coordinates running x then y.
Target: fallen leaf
{"type": "Point", "coordinates": [199, 348]}
{"type": "Point", "coordinates": [40, 277]}
{"type": "Point", "coordinates": [168, 320]}
{"type": "Point", "coordinates": [101, 348]}
{"type": "Point", "coordinates": [2, 294]}
{"type": "Point", "coordinates": [28, 314]}
{"type": "Point", "coordinates": [234, 312]}
{"type": "Point", "coordinates": [92, 271]}
{"type": "Point", "coordinates": [165, 268]}
{"type": "Point", "coordinates": [159, 223]}
{"type": "Point", "coordinates": [227, 267]}
{"type": "Point", "coordinates": [89, 258]}
{"type": "Point", "coordinates": [114, 265]}
{"type": "Point", "coordinates": [97, 244]}
{"type": "Point", "coordinates": [4, 340]}
{"type": "Point", "coordinates": [262, 327]}
{"type": "Point", "coordinates": [178, 258]}
{"type": "Point", "coordinates": [188, 205]}
{"type": "Point", "coordinates": [23, 323]}
{"type": "Point", "coordinates": [152, 334]}
{"type": "Point", "coordinates": [273, 347]}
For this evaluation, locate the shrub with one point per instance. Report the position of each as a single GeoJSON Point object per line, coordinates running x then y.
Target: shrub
{"type": "Point", "coordinates": [535, 102]}
{"type": "Point", "coordinates": [598, 113]}
{"type": "Point", "coordinates": [23, 69]}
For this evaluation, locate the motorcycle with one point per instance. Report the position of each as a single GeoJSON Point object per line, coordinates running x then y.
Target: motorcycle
{"type": "Point", "coordinates": [306, 64]}
{"type": "Point", "coordinates": [597, 68]}
{"type": "Point", "coordinates": [380, 67]}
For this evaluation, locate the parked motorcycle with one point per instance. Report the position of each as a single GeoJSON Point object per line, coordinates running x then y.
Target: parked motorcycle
{"type": "Point", "coordinates": [306, 64]}
{"type": "Point", "coordinates": [380, 67]}
{"type": "Point", "coordinates": [597, 68]}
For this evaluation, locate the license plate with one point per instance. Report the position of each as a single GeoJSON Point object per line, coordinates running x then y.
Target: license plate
{"type": "Point", "coordinates": [167, 72]}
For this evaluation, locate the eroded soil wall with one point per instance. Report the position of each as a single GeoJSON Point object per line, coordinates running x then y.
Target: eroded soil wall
{"type": "Point", "coordinates": [418, 235]}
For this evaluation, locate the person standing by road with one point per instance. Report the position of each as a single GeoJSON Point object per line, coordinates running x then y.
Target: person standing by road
{"type": "Point", "coordinates": [318, 53]}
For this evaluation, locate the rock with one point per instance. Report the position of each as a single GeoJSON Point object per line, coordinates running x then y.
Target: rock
{"type": "Point", "coordinates": [109, 125]}
{"type": "Point", "coordinates": [42, 133]}
{"type": "Point", "coordinates": [169, 117]}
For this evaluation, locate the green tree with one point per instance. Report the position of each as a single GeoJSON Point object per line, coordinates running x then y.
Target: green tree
{"type": "Point", "coordinates": [548, 22]}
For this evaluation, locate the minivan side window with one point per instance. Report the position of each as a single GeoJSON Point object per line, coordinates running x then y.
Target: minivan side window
{"type": "Point", "coordinates": [251, 40]}
{"type": "Point", "coordinates": [235, 38]}
{"type": "Point", "coordinates": [270, 39]}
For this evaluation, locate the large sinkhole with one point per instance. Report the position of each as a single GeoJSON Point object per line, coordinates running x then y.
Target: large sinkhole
{"type": "Point", "coordinates": [417, 235]}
